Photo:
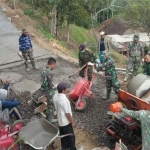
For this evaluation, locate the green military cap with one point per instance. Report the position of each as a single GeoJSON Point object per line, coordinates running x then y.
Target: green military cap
{"type": "Point", "coordinates": [136, 37]}
{"type": "Point", "coordinates": [24, 30]}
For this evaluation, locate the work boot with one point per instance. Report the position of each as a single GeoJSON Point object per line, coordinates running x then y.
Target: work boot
{"type": "Point", "coordinates": [33, 65]}
{"type": "Point", "coordinates": [50, 116]}
{"type": "Point", "coordinates": [107, 96]}
{"type": "Point", "coordinates": [27, 69]}
{"type": "Point", "coordinates": [26, 65]}
{"type": "Point", "coordinates": [126, 77]}
{"type": "Point", "coordinates": [36, 68]}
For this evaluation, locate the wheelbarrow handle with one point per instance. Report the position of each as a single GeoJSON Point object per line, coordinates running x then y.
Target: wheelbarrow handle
{"type": "Point", "coordinates": [77, 71]}
{"type": "Point", "coordinates": [62, 136]}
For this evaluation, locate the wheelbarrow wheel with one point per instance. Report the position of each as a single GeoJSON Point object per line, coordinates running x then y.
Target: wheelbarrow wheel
{"type": "Point", "coordinates": [81, 105]}
{"type": "Point", "coordinates": [17, 125]}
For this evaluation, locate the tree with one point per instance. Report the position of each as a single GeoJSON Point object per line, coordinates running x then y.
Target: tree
{"type": "Point", "coordinates": [138, 12]}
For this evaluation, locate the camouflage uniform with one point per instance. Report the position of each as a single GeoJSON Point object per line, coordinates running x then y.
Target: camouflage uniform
{"type": "Point", "coordinates": [146, 69]}
{"type": "Point", "coordinates": [47, 84]}
{"type": "Point", "coordinates": [25, 47]}
{"type": "Point", "coordinates": [48, 91]}
{"type": "Point", "coordinates": [111, 76]}
{"type": "Point", "coordinates": [84, 57]}
{"type": "Point", "coordinates": [28, 54]}
{"type": "Point", "coordinates": [144, 117]}
{"type": "Point", "coordinates": [135, 57]}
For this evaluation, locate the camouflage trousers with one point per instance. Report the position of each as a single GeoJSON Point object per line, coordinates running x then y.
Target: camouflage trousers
{"type": "Point", "coordinates": [133, 63]}
{"type": "Point", "coordinates": [90, 71]}
{"type": "Point", "coordinates": [28, 55]}
{"type": "Point", "coordinates": [113, 83]}
{"type": "Point", "coordinates": [49, 95]}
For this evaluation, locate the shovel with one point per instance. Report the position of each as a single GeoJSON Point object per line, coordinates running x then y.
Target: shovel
{"type": "Point", "coordinates": [77, 71]}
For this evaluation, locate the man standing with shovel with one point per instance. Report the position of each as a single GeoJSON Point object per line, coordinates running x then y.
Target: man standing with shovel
{"type": "Point", "coordinates": [26, 49]}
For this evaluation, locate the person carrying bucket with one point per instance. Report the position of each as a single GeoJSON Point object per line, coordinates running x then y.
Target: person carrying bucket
{"type": "Point", "coordinates": [103, 46]}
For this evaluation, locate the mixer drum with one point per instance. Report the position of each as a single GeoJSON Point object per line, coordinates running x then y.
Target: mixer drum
{"type": "Point", "coordinates": [139, 86]}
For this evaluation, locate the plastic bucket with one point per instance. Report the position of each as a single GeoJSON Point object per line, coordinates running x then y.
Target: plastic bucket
{"type": "Point", "coordinates": [114, 107]}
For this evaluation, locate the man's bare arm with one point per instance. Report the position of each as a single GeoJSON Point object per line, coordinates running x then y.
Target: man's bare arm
{"type": "Point", "coordinates": [69, 117]}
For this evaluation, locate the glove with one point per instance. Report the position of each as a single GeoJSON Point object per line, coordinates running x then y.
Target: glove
{"type": "Point", "coordinates": [90, 64]}
{"type": "Point", "coordinates": [96, 65]}
{"type": "Point", "coordinates": [94, 71]}
{"type": "Point", "coordinates": [97, 61]}
{"type": "Point", "coordinates": [55, 86]}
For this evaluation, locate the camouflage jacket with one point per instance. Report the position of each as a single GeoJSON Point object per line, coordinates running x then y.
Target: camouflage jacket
{"type": "Point", "coordinates": [47, 79]}
{"type": "Point", "coordinates": [86, 56]}
{"type": "Point", "coordinates": [110, 71]}
{"type": "Point", "coordinates": [135, 50]}
{"type": "Point", "coordinates": [144, 117]}
{"type": "Point", "coordinates": [146, 69]}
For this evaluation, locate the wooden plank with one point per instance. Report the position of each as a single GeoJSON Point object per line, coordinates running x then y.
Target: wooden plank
{"type": "Point", "coordinates": [41, 108]}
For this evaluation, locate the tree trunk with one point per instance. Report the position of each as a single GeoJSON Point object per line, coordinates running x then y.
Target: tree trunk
{"type": "Point", "coordinates": [14, 4]}
{"type": "Point", "coordinates": [68, 35]}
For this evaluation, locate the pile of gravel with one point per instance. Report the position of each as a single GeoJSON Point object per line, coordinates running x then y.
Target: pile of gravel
{"type": "Point", "coordinates": [92, 119]}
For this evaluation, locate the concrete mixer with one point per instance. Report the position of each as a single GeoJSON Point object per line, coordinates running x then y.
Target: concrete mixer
{"type": "Point", "coordinates": [139, 86]}
{"type": "Point", "coordinates": [121, 126]}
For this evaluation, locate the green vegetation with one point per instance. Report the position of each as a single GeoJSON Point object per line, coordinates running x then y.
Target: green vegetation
{"type": "Point", "coordinates": [118, 58]}
{"type": "Point", "coordinates": [33, 14]}
{"type": "Point", "coordinates": [81, 35]}
{"type": "Point", "coordinates": [44, 32]}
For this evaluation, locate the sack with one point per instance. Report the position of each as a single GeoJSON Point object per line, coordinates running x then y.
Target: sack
{"type": "Point", "coordinates": [4, 116]}
{"type": "Point", "coordinates": [120, 146]}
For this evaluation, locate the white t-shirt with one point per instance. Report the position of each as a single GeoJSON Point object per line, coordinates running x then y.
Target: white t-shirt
{"type": "Point", "coordinates": [3, 94]}
{"type": "Point", "coordinates": [62, 106]}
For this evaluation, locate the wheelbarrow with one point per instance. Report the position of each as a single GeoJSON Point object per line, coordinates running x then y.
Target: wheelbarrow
{"type": "Point", "coordinates": [80, 89]}
{"type": "Point", "coordinates": [8, 138]}
{"type": "Point", "coordinates": [39, 134]}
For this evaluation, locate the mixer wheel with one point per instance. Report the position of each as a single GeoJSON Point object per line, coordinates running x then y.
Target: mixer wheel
{"type": "Point", "coordinates": [132, 104]}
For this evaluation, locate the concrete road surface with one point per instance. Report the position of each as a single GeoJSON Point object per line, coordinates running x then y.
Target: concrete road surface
{"type": "Point", "coordinates": [9, 46]}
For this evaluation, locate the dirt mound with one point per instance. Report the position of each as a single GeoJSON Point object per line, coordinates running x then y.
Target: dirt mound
{"type": "Point", "coordinates": [112, 27]}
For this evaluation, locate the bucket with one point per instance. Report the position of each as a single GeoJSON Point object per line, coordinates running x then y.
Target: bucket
{"type": "Point", "coordinates": [114, 107]}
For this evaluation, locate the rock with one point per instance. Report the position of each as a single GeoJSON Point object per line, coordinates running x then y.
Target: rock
{"type": "Point", "coordinates": [17, 16]}
{"type": "Point", "coordinates": [82, 148]}
{"type": "Point", "coordinates": [4, 9]}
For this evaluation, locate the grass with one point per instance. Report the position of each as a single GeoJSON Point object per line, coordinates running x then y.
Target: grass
{"type": "Point", "coordinates": [44, 32]}
{"type": "Point", "coordinates": [81, 35]}
{"type": "Point", "coordinates": [120, 60]}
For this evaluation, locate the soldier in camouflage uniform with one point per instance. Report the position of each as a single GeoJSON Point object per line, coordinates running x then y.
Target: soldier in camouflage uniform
{"type": "Point", "coordinates": [25, 47]}
{"type": "Point", "coordinates": [85, 56]}
{"type": "Point", "coordinates": [146, 66]}
{"type": "Point", "coordinates": [110, 74]}
{"type": "Point", "coordinates": [144, 117]}
{"type": "Point", "coordinates": [48, 85]}
{"type": "Point", "coordinates": [135, 54]}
